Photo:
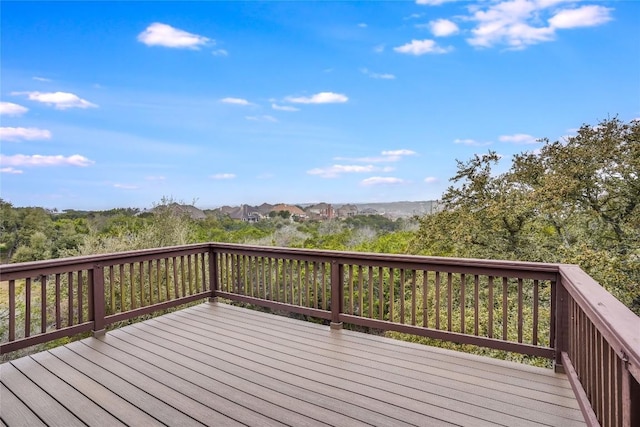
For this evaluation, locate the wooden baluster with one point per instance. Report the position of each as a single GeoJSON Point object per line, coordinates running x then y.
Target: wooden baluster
{"type": "Point", "coordinates": [43, 304]}
{"type": "Point", "coordinates": [58, 302]}
{"type": "Point", "coordinates": [12, 310]}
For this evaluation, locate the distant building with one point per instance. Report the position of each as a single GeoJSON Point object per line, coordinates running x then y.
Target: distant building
{"type": "Point", "coordinates": [346, 211]}
{"type": "Point", "coordinates": [321, 211]}
{"type": "Point", "coordinates": [245, 213]}
{"type": "Point", "coordinates": [296, 212]}
{"type": "Point", "coordinates": [369, 211]}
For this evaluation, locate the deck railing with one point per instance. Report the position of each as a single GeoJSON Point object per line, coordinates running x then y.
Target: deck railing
{"type": "Point", "coordinates": [547, 310]}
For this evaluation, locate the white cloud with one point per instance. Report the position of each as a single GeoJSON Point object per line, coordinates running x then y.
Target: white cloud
{"type": "Point", "coordinates": [421, 47]}
{"type": "Point", "coordinates": [284, 107]}
{"type": "Point", "coordinates": [126, 186]}
{"type": "Point", "coordinates": [386, 157]}
{"type": "Point", "coordinates": [319, 98]}
{"type": "Point", "coordinates": [41, 79]}
{"type": "Point", "coordinates": [336, 170]}
{"type": "Point", "coordinates": [379, 48]}
{"type": "Point", "coordinates": [10, 170]}
{"type": "Point", "coordinates": [519, 138]}
{"type": "Point", "coordinates": [39, 160]}
{"type": "Point", "coordinates": [60, 100]}
{"type": "Point", "coordinates": [223, 176]}
{"type": "Point", "coordinates": [235, 101]}
{"type": "Point", "coordinates": [470, 142]}
{"type": "Point", "coordinates": [443, 28]}
{"type": "Point", "coordinates": [384, 76]}
{"type": "Point", "coordinates": [519, 23]}
{"type": "Point", "coordinates": [155, 178]}
{"type": "Point", "coordinates": [18, 134]}
{"type": "Point", "coordinates": [382, 180]}
{"type": "Point", "coordinates": [158, 34]}
{"type": "Point", "coordinates": [263, 118]}
{"type": "Point", "coordinates": [431, 180]}
{"type": "Point", "coordinates": [585, 16]}
{"type": "Point", "coordinates": [401, 152]}
{"type": "Point", "coordinates": [362, 25]}
{"type": "Point", "coordinates": [11, 109]}
{"type": "Point", "coordinates": [220, 52]}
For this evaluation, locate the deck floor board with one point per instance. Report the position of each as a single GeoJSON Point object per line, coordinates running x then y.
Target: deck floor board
{"type": "Point", "coordinates": [215, 364]}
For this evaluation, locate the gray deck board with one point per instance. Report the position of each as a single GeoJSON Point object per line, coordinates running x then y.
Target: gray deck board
{"type": "Point", "coordinates": [214, 364]}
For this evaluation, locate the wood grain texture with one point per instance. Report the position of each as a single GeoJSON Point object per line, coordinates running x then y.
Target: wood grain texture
{"type": "Point", "coordinates": [215, 364]}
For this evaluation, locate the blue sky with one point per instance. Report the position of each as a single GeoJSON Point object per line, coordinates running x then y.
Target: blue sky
{"type": "Point", "coordinates": [119, 104]}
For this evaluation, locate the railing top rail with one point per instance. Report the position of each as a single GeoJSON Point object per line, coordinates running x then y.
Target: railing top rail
{"type": "Point", "coordinates": [96, 259]}
{"type": "Point", "coordinates": [400, 258]}
{"type": "Point", "coordinates": [618, 325]}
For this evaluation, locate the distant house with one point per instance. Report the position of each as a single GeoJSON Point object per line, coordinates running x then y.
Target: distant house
{"type": "Point", "coordinates": [245, 213]}
{"type": "Point", "coordinates": [369, 211]}
{"type": "Point", "coordinates": [264, 209]}
{"type": "Point", "coordinates": [296, 212]}
{"type": "Point", "coordinates": [346, 211]}
{"type": "Point", "coordinates": [321, 211]}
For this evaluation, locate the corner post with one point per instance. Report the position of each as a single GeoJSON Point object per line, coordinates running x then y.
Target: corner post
{"type": "Point", "coordinates": [560, 324]}
{"type": "Point", "coordinates": [336, 294]}
{"type": "Point", "coordinates": [97, 279]}
{"type": "Point", "coordinates": [213, 274]}
{"type": "Point", "coordinates": [630, 396]}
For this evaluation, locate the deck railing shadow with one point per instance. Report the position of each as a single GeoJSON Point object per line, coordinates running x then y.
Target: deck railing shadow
{"type": "Point", "coordinates": [552, 311]}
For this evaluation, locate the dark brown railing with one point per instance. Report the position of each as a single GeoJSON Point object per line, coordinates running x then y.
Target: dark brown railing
{"type": "Point", "coordinates": [547, 310]}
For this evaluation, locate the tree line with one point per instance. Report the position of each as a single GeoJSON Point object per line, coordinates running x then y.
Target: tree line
{"type": "Point", "coordinates": [575, 200]}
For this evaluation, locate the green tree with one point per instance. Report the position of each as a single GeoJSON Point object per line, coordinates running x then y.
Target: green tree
{"type": "Point", "coordinates": [574, 201]}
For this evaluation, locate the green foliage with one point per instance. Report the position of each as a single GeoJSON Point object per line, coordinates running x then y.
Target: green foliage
{"type": "Point", "coordinates": [575, 201]}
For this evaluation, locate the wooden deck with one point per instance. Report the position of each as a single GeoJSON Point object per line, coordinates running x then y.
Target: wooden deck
{"type": "Point", "coordinates": [214, 364]}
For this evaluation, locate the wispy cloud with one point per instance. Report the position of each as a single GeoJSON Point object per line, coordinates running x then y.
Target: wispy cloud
{"type": "Point", "coordinates": [263, 118]}
{"type": "Point", "coordinates": [337, 170]}
{"type": "Point", "coordinates": [319, 98]}
{"type": "Point", "coordinates": [19, 134]}
{"type": "Point", "coordinates": [220, 176]}
{"type": "Point", "coordinates": [11, 170]}
{"type": "Point", "coordinates": [41, 79]}
{"type": "Point", "coordinates": [382, 180]}
{"type": "Point", "coordinates": [156, 178]}
{"type": "Point", "coordinates": [284, 107]}
{"type": "Point", "coordinates": [413, 16]}
{"type": "Point", "coordinates": [519, 138]}
{"type": "Point", "coordinates": [362, 25]}
{"type": "Point", "coordinates": [126, 186]}
{"type": "Point", "coordinates": [39, 160]}
{"type": "Point", "coordinates": [235, 101]}
{"type": "Point", "coordinates": [422, 47]}
{"type": "Point", "coordinates": [471, 142]}
{"type": "Point", "coordinates": [387, 156]}
{"type": "Point", "coordinates": [399, 153]}
{"type": "Point", "coordinates": [379, 48]}
{"type": "Point", "coordinates": [158, 34]}
{"type": "Point", "coordinates": [220, 52]}
{"type": "Point", "coordinates": [11, 109]}
{"type": "Point", "coordinates": [443, 28]}
{"type": "Point", "coordinates": [383, 76]}
{"type": "Point", "coordinates": [60, 100]}
{"type": "Point", "coordinates": [431, 180]}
